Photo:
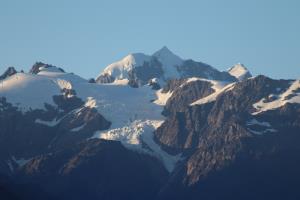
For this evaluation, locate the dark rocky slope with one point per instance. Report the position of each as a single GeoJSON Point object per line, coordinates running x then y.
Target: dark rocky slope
{"type": "Point", "coordinates": [96, 169]}
{"type": "Point", "coordinates": [222, 152]}
{"type": "Point", "coordinates": [9, 72]}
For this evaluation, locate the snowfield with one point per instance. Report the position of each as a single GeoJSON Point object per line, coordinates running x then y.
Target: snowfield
{"type": "Point", "coordinates": [29, 91]}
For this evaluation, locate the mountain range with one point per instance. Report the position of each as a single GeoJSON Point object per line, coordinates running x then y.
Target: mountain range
{"type": "Point", "coordinates": [149, 127]}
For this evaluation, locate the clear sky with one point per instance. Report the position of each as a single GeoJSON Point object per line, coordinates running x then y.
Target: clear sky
{"type": "Point", "coordinates": [85, 36]}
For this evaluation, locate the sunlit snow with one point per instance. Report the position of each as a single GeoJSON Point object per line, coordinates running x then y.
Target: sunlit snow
{"type": "Point", "coordinates": [219, 88]}
{"type": "Point", "coordinates": [289, 96]}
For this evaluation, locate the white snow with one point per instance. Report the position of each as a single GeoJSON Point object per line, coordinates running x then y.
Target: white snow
{"type": "Point", "coordinates": [239, 71]}
{"type": "Point", "coordinates": [280, 100]}
{"type": "Point", "coordinates": [124, 81]}
{"type": "Point", "coordinates": [169, 62]}
{"type": "Point", "coordinates": [131, 112]}
{"type": "Point", "coordinates": [91, 102]}
{"type": "Point", "coordinates": [28, 91]}
{"type": "Point", "coordinates": [136, 134]}
{"type": "Point", "coordinates": [64, 84]}
{"type": "Point", "coordinates": [162, 97]}
{"type": "Point", "coordinates": [78, 128]}
{"type": "Point", "coordinates": [120, 69]}
{"type": "Point", "coordinates": [219, 88]}
{"type": "Point", "coordinates": [50, 69]}
{"type": "Point", "coordinates": [195, 79]}
{"type": "Point", "coordinates": [133, 116]}
{"type": "Point", "coordinates": [52, 123]}
{"type": "Point", "coordinates": [70, 77]}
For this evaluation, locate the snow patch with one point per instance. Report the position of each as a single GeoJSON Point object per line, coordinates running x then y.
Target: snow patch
{"type": "Point", "coordinates": [63, 84]}
{"type": "Point", "coordinates": [219, 88]}
{"type": "Point", "coordinates": [78, 128]}
{"type": "Point", "coordinates": [120, 82]}
{"type": "Point", "coordinates": [162, 97]}
{"type": "Point", "coordinates": [289, 96]}
{"type": "Point", "coordinates": [90, 103]}
{"type": "Point", "coordinates": [52, 123]}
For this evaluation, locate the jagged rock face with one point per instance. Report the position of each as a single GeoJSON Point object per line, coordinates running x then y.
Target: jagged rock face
{"type": "Point", "coordinates": [149, 70]}
{"type": "Point", "coordinates": [36, 68]}
{"type": "Point", "coordinates": [9, 72]}
{"type": "Point", "coordinates": [257, 172]}
{"type": "Point", "coordinates": [141, 74]}
{"type": "Point", "coordinates": [96, 165]}
{"type": "Point", "coordinates": [181, 129]}
{"type": "Point", "coordinates": [163, 65]}
{"type": "Point", "coordinates": [219, 139]}
{"type": "Point", "coordinates": [190, 68]}
{"type": "Point", "coordinates": [185, 94]}
{"type": "Point", "coordinates": [218, 135]}
{"type": "Point", "coordinates": [25, 135]}
{"type": "Point", "coordinates": [105, 78]}
{"type": "Point", "coordinates": [172, 85]}
{"type": "Point", "coordinates": [92, 80]}
{"type": "Point", "coordinates": [154, 84]}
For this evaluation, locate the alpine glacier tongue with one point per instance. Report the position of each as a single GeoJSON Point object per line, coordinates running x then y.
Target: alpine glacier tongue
{"type": "Point", "coordinates": [240, 72]}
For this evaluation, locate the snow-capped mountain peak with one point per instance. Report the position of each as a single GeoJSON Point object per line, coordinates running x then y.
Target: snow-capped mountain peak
{"type": "Point", "coordinates": [239, 71]}
{"type": "Point", "coordinates": [169, 61]}
{"type": "Point", "coordinates": [120, 69]}
{"type": "Point", "coordinates": [163, 52]}
{"type": "Point", "coordinates": [163, 63]}
{"type": "Point", "coordinates": [138, 69]}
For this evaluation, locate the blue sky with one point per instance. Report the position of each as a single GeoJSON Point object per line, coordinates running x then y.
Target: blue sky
{"type": "Point", "coordinates": [85, 36]}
